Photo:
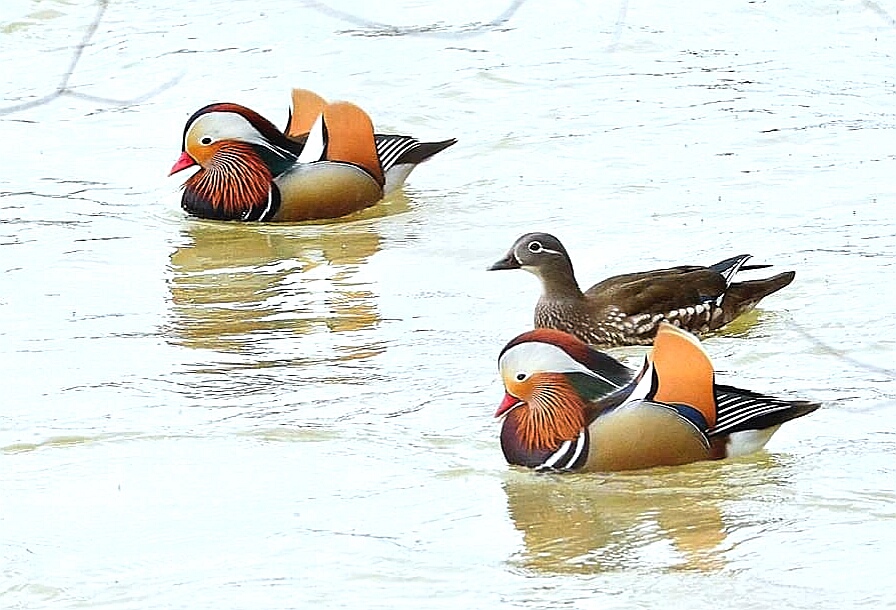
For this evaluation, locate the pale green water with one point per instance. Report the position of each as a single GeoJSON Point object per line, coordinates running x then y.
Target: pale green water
{"type": "Point", "coordinates": [203, 415]}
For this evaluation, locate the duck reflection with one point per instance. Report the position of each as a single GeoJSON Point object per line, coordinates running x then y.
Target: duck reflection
{"type": "Point", "coordinates": [594, 523]}
{"type": "Point", "coordinates": [235, 284]}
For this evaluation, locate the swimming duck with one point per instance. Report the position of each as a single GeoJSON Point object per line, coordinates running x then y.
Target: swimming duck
{"type": "Point", "coordinates": [569, 407]}
{"type": "Point", "coordinates": [327, 163]}
{"type": "Point", "coordinates": [627, 309]}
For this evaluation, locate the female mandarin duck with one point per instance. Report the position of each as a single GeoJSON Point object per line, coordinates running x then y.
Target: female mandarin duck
{"type": "Point", "coordinates": [328, 162]}
{"type": "Point", "coordinates": [627, 309]}
{"type": "Point", "coordinates": [569, 407]}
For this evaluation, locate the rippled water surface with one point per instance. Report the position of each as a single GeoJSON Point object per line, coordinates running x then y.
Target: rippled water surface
{"type": "Point", "coordinates": [205, 415]}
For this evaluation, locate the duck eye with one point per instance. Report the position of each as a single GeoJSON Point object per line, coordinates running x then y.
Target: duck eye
{"type": "Point", "coordinates": [205, 141]}
{"type": "Point", "coordinates": [521, 376]}
{"type": "Point", "coordinates": [535, 247]}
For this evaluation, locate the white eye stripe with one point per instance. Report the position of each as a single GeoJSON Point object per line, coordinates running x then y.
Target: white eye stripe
{"type": "Point", "coordinates": [537, 357]}
{"type": "Point", "coordinates": [226, 126]}
{"type": "Point", "coordinates": [216, 126]}
{"type": "Point", "coordinates": [531, 356]}
{"type": "Point", "coordinates": [536, 247]}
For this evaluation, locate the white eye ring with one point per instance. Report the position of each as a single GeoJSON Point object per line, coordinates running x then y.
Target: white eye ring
{"type": "Point", "coordinates": [521, 376]}
{"type": "Point", "coordinates": [534, 247]}
{"type": "Point", "coordinates": [205, 141]}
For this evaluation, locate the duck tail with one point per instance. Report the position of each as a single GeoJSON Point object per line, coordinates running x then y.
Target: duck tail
{"type": "Point", "coordinates": [425, 150]}
{"type": "Point", "coordinates": [399, 155]}
{"type": "Point", "coordinates": [743, 296]}
{"type": "Point", "coordinates": [743, 410]}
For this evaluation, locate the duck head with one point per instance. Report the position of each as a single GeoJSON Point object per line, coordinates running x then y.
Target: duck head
{"type": "Point", "coordinates": [238, 152]}
{"type": "Point", "coordinates": [551, 380]}
{"type": "Point", "coordinates": [541, 254]}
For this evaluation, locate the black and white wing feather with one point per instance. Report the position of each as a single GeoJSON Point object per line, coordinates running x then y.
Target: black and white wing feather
{"type": "Point", "coordinates": [740, 410]}
{"type": "Point", "coordinates": [400, 154]}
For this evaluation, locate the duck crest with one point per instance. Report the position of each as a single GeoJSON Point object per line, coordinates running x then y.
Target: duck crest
{"type": "Point", "coordinates": [237, 185]}
{"type": "Point", "coordinates": [264, 126]}
{"type": "Point", "coordinates": [569, 344]}
{"type": "Point", "coordinates": [609, 372]}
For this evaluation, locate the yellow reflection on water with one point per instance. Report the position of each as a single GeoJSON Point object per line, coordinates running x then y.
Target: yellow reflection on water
{"type": "Point", "coordinates": [34, 18]}
{"type": "Point", "coordinates": [595, 523]}
{"type": "Point", "coordinates": [232, 283]}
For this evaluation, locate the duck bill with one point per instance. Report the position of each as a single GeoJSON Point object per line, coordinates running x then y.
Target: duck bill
{"type": "Point", "coordinates": [507, 404]}
{"type": "Point", "coordinates": [508, 262]}
{"type": "Point", "coordinates": [183, 162]}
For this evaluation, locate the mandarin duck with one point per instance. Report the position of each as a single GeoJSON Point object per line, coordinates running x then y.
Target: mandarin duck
{"type": "Point", "coordinates": [568, 407]}
{"type": "Point", "coordinates": [627, 309]}
{"type": "Point", "coordinates": [326, 164]}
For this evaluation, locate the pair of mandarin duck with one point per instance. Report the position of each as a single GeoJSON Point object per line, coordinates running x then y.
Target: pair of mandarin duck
{"type": "Point", "coordinates": [567, 406]}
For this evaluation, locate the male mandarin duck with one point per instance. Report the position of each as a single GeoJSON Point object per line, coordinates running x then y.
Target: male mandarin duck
{"type": "Point", "coordinates": [627, 309]}
{"type": "Point", "coordinates": [326, 164]}
{"type": "Point", "coordinates": [569, 407]}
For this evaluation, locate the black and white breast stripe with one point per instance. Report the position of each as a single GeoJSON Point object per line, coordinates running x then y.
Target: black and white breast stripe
{"type": "Point", "coordinates": [571, 455]}
{"type": "Point", "coordinates": [263, 214]}
{"type": "Point", "coordinates": [391, 148]}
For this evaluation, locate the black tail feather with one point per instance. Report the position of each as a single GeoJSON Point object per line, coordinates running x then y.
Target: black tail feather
{"type": "Point", "coordinates": [748, 293]}
{"type": "Point", "coordinates": [424, 150]}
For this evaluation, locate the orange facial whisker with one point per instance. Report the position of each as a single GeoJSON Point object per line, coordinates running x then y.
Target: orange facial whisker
{"type": "Point", "coordinates": [554, 413]}
{"type": "Point", "coordinates": [235, 179]}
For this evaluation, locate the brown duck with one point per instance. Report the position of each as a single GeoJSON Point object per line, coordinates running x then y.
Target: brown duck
{"type": "Point", "coordinates": [627, 309]}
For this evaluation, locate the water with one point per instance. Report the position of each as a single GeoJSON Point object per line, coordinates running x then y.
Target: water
{"type": "Point", "coordinates": [205, 415]}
